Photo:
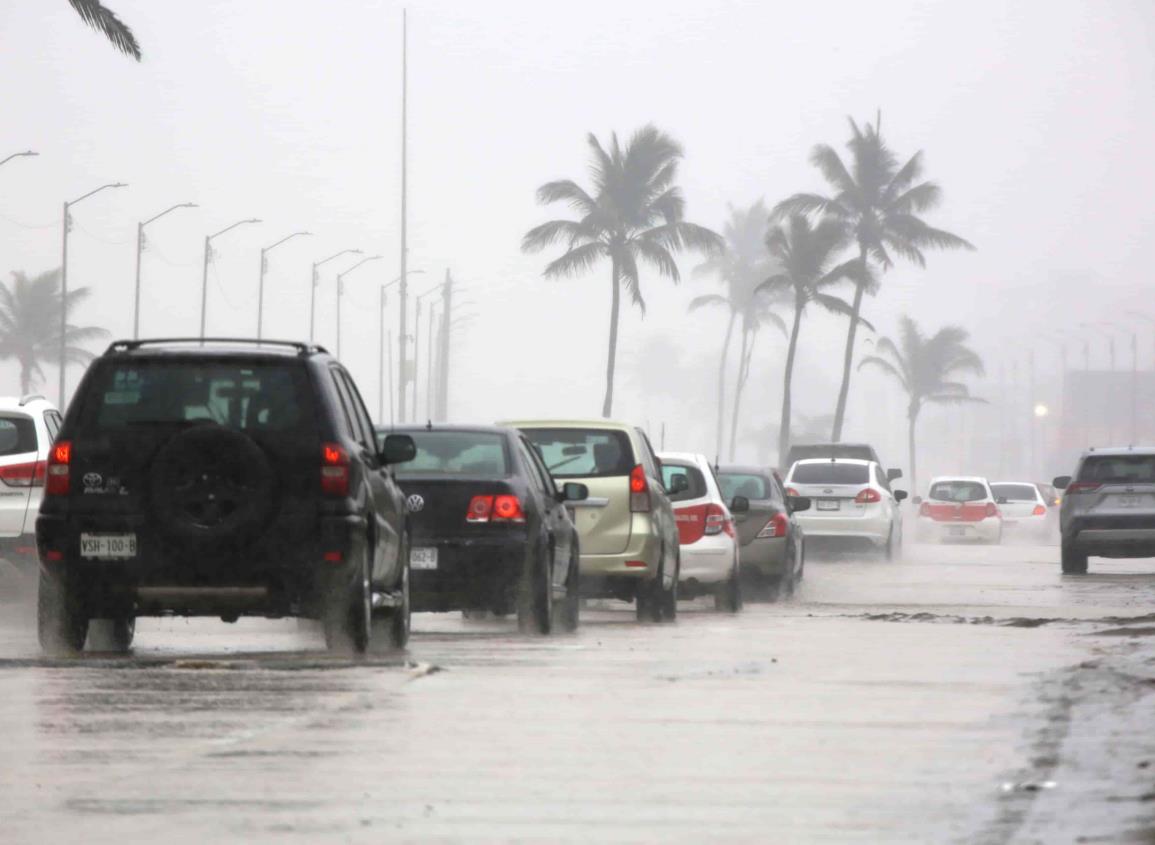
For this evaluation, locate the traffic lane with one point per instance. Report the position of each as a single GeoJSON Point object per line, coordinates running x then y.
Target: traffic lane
{"type": "Point", "coordinates": [797, 718]}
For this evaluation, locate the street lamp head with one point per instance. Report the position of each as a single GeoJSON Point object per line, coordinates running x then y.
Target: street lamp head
{"type": "Point", "coordinates": [1041, 410]}
{"type": "Point", "coordinates": [28, 153]}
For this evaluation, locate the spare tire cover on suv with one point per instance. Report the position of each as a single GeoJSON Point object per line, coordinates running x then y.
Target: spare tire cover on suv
{"type": "Point", "coordinates": [211, 484]}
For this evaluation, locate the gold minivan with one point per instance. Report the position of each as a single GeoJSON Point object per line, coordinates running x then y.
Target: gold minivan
{"type": "Point", "coordinates": [627, 531]}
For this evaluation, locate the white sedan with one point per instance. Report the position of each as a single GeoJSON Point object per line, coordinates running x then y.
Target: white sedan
{"type": "Point", "coordinates": [852, 503]}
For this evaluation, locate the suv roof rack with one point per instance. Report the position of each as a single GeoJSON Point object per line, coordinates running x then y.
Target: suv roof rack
{"type": "Point", "coordinates": [24, 400]}
{"type": "Point", "coordinates": [129, 345]}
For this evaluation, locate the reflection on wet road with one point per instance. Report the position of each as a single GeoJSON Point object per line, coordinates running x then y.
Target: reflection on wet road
{"type": "Point", "coordinates": [886, 702]}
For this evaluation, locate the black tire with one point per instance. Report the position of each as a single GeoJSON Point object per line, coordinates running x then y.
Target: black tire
{"type": "Point", "coordinates": [61, 621]}
{"type": "Point", "coordinates": [114, 635]}
{"type": "Point", "coordinates": [391, 625]}
{"type": "Point", "coordinates": [648, 602]}
{"type": "Point", "coordinates": [728, 598]}
{"type": "Point", "coordinates": [569, 609]}
{"type": "Point", "coordinates": [535, 598]}
{"type": "Point", "coordinates": [347, 613]}
{"type": "Point", "coordinates": [1073, 562]}
{"type": "Point", "coordinates": [888, 551]}
{"type": "Point", "coordinates": [668, 599]}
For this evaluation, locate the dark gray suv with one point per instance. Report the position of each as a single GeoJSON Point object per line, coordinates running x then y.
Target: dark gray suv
{"type": "Point", "coordinates": [221, 478]}
{"type": "Point", "coordinates": [1108, 506]}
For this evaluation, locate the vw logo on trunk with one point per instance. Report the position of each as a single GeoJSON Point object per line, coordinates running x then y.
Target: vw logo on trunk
{"type": "Point", "coordinates": [414, 503]}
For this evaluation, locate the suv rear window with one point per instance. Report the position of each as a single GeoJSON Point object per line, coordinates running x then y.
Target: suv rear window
{"type": "Point", "coordinates": [247, 395]}
{"type": "Point", "coordinates": [744, 484]}
{"type": "Point", "coordinates": [830, 473]}
{"type": "Point", "coordinates": [460, 453]}
{"type": "Point", "coordinates": [17, 434]}
{"type": "Point", "coordinates": [694, 478]}
{"type": "Point", "coordinates": [582, 452]}
{"type": "Point", "coordinates": [1118, 469]}
{"type": "Point", "coordinates": [1015, 492]}
{"type": "Point", "coordinates": [957, 491]}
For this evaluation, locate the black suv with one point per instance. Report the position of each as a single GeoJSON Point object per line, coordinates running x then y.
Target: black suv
{"type": "Point", "coordinates": [221, 477]}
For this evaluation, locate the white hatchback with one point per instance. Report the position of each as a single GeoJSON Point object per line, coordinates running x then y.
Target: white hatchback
{"type": "Point", "coordinates": [706, 535]}
{"type": "Point", "coordinates": [959, 508]}
{"type": "Point", "coordinates": [1026, 514]}
{"type": "Point", "coordinates": [852, 502]}
{"type": "Point", "coordinates": [27, 428]}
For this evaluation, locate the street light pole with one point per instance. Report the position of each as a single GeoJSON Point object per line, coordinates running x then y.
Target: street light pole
{"type": "Point", "coordinates": [18, 155]}
{"type": "Point", "coordinates": [313, 289]}
{"type": "Point", "coordinates": [417, 340]}
{"type": "Point", "coordinates": [64, 278]}
{"type": "Point", "coordinates": [261, 283]}
{"type": "Point", "coordinates": [139, 252]}
{"type": "Point", "coordinates": [205, 270]}
{"type": "Point", "coordinates": [381, 357]}
{"type": "Point", "coordinates": [341, 291]}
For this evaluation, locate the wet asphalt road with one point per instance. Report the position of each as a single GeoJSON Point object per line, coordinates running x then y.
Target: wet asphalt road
{"type": "Point", "coordinates": [961, 695]}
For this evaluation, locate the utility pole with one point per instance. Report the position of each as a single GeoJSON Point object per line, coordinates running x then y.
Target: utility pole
{"type": "Point", "coordinates": [341, 292]}
{"type": "Point", "coordinates": [403, 293]}
{"type": "Point", "coordinates": [442, 409]}
{"type": "Point", "coordinates": [313, 288]}
{"type": "Point", "coordinates": [205, 271]}
{"type": "Point", "coordinates": [140, 243]}
{"type": "Point", "coordinates": [261, 282]}
{"type": "Point", "coordinates": [429, 365]}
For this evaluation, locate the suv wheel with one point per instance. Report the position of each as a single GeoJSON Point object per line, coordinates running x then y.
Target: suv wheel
{"type": "Point", "coordinates": [570, 606]}
{"type": "Point", "coordinates": [649, 598]}
{"type": "Point", "coordinates": [347, 612]}
{"type": "Point", "coordinates": [112, 634]}
{"type": "Point", "coordinates": [535, 599]}
{"type": "Point", "coordinates": [391, 625]}
{"type": "Point", "coordinates": [1073, 562]}
{"type": "Point", "coordinates": [61, 622]}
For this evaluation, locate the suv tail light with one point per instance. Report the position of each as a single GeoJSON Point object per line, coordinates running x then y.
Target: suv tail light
{"type": "Point", "coordinates": [639, 490]}
{"type": "Point", "coordinates": [992, 510]}
{"type": "Point", "coordinates": [776, 527]}
{"type": "Point", "coordinates": [24, 475]}
{"type": "Point", "coordinates": [1039, 511]}
{"type": "Point", "coordinates": [717, 521]}
{"type": "Point", "coordinates": [59, 469]}
{"type": "Point", "coordinates": [334, 470]}
{"type": "Point", "coordinates": [503, 508]}
{"type": "Point", "coordinates": [868, 496]}
{"type": "Point", "coordinates": [1083, 486]}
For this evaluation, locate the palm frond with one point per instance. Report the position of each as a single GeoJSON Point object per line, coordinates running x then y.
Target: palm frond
{"type": "Point", "coordinates": [830, 165]}
{"type": "Point", "coordinates": [658, 257]}
{"type": "Point", "coordinates": [577, 260]}
{"type": "Point", "coordinates": [809, 204]}
{"type": "Point", "coordinates": [568, 191]}
{"type": "Point", "coordinates": [628, 270]}
{"type": "Point", "coordinates": [105, 21]}
{"type": "Point", "coordinates": [886, 366]}
{"type": "Point", "coordinates": [708, 299]}
{"type": "Point", "coordinates": [837, 306]}
{"type": "Point", "coordinates": [553, 231]}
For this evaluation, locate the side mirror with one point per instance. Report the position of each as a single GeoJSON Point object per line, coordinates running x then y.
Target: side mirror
{"type": "Point", "coordinates": [1001, 500]}
{"type": "Point", "coordinates": [572, 491]}
{"type": "Point", "coordinates": [917, 500]}
{"type": "Point", "coordinates": [893, 474]}
{"type": "Point", "coordinates": [900, 495]}
{"type": "Point", "coordinates": [740, 504]}
{"type": "Point", "coordinates": [678, 484]}
{"type": "Point", "coordinates": [797, 504]}
{"type": "Point", "coordinates": [1062, 482]}
{"type": "Point", "coordinates": [398, 449]}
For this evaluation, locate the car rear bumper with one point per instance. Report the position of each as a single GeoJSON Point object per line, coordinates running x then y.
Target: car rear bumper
{"type": "Point", "coordinates": [766, 556]}
{"type": "Point", "coordinates": [875, 528]}
{"type": "Point", "coordinates": [984, 531]}
{"type": "Point", "coordinates": [472, 573]}
{"type": "Point", "coordinates": [708, 561]}
{"type": "Point", "coordinates": [1118, 536]}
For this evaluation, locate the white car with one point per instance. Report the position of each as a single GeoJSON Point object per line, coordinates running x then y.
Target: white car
{"type": "Point", "coordinates": [959, 508]}
{"type": "Point", "coordinates": [27, 428]}
{"type": "Point", "coordinates": [706, 535]}
{"type": "Point", "coordinates": [1025, 511]}
{"type": "Point", "coordinates": [852, 503]}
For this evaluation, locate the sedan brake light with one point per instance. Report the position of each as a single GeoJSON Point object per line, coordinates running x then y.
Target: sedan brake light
{"type": "Point", "coordinates": [59, 469]}
{"type": "Point", "coordinates": [1039, 511]}
{"type": "Point", "coordinates": [868, 496]}
{"type": "Point", "coordinates": [992, 510]}
{"type": "Point", "coordinates": [790, 491]}
{"type": "Point", "coordinates": [24, 475]}
{"type": "Point", "coordinates": [777, 526]}
{"type": "Point", "coordinates": [480, 507]}
{"type": "Point", "coordinates": [507, 508]}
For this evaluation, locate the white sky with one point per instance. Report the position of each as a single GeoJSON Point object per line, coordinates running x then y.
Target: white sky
{"type": "Point", "coordinates": [1035, 117]}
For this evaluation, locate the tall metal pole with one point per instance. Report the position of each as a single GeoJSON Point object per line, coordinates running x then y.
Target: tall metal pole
{"type": "Point", "coordinates": [63, 305]}
{"type": "Point", "coordinates": [341, 292]}
{"type": "Point", "coordinates": [140, 242]}
{"type": "Point", "coordinates": [381, 358]}
{"type": "Point", "coordinates": [403, 291]}
{"type": "Point", "coordinates": [313, 286]}
{"type": "Point", "coordinates": [205, 272]}
{"type": "Point", "coordinates": [416, 350]}
{"type": "Point", "coordinates": [442, 409]}
{"type": "Point", "coordinates": [429, 366]}
{"type": "Point", "coordinates": [261, 282]}
{"type": "Point", "coordinates": [389, 369]}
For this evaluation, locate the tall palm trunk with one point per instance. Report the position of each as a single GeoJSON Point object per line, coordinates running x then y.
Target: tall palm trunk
{"type": "Point", "coordinates": [787, 381]}
{"type": "Point", "coordinates": [722, 385]}
{"type": "Point", "coordinates": [912, 421]}
{"type": "Point", "coordinates": [848, 358]}
{"type": "Point", "coordinates": [608, 404]}
{"type": "Point", "coordinates": [26, 366]}
{"type": "Point", "coordinates": [748, 338]}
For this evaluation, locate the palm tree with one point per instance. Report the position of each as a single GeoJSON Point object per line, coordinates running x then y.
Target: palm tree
{"type": "Point", "coordinates": [741, 265]}
{"type": "Point", "coordinates": [636, 211]}
{"type": "Point", "coordinates": [927, 369]}
{"type": "Point", "coordinates": [99, 17]}
{"type": "Point", "coordinates": [806, 255]}
{"type": "Point", "coordinates": [30, 325]}
{"type": "Point", "coordinates": [879, 203]}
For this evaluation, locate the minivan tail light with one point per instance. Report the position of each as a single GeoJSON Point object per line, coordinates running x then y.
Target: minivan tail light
{"type": "Point", "coordinates": [777, 526]}
{"type": "Point", "coordinates": [639, 490]}
{"type": "Point", "coordinates": [1083, 486]}
{"type": "Point", "coordinates": [59, 469]}
{"type": "Point", "coordinates": [334, 470]}
{"type": "Point", "coordinates": [868, 496]}
{"type": "Point", "coordinates": [24, 475]}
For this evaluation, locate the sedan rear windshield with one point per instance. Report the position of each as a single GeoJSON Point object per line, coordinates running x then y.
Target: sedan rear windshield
{"type": "Point", "coordinates": [582, 452]}
{"type": "Point", "coordinates": [958, 491]}
{"type": "Point", "coordinates": [248, 395]}
{"type": "Point", "coordinates": [831, 450]}
{"type": "Point", "coordinates": [1119, 469]}
{"type": "Point", "coordinates": [472, 454]}
{"type": "Point", "coordinates": [17, 434]}
{"type": "Point", "coordinates": [830, 473]}
{"type": "Point", "coordinates": [1015, 492]}
{"type": "Point", "coordinates": [743, 484]}
{"type": "Point", "coordinates": [695, 481]}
